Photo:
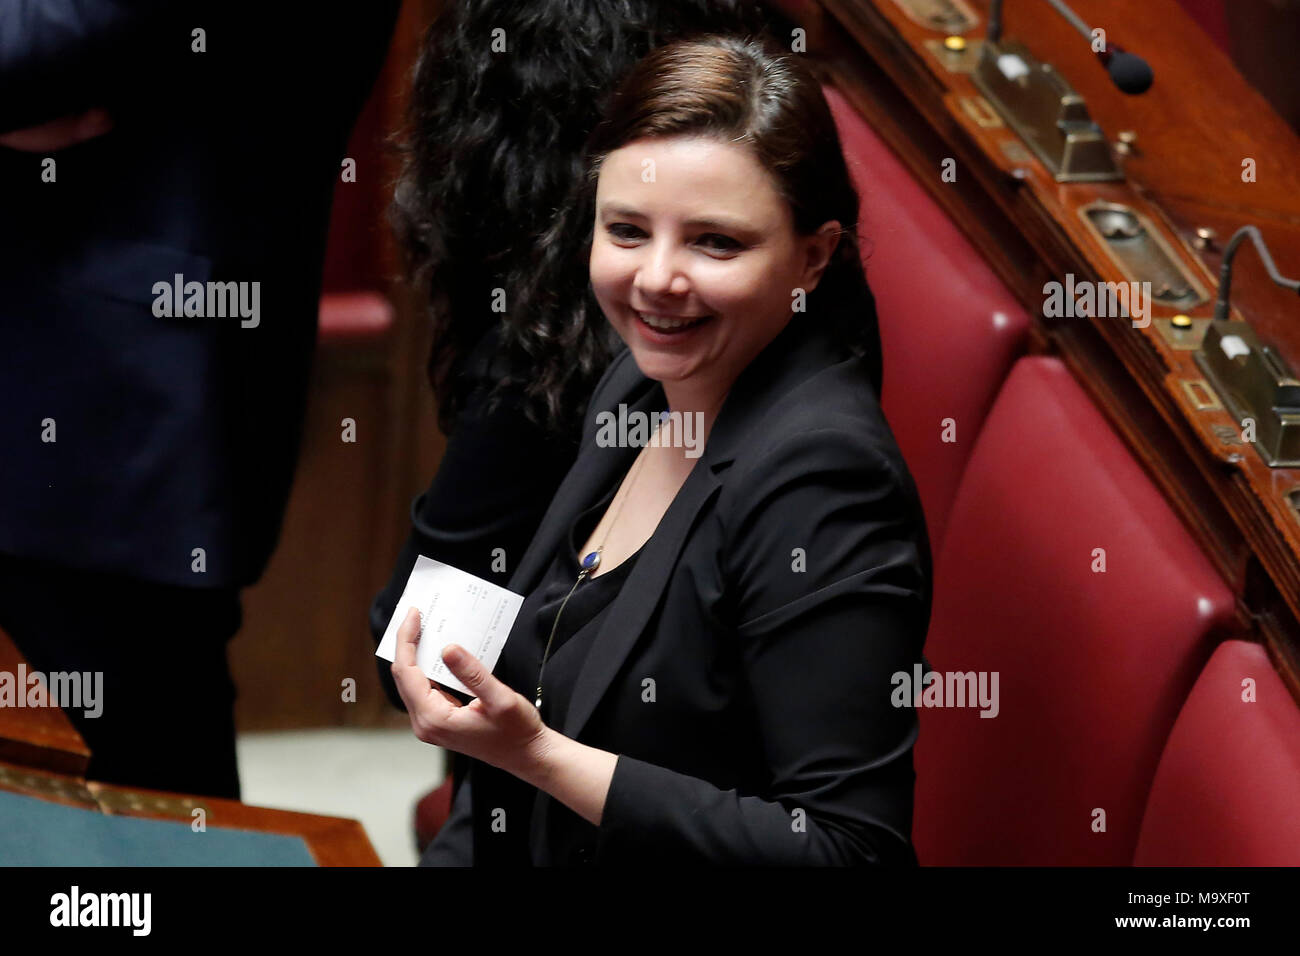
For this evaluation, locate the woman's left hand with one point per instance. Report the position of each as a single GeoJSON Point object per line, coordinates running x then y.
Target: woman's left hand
{"type": "Point", "coordinates": [500, 727]}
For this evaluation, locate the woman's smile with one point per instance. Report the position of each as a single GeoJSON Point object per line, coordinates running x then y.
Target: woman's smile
{"type": "Point", "coordinates": [660, 328]}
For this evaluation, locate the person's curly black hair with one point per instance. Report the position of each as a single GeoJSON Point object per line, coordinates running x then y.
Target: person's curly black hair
{"type": "Point", "coordinates": [504, 96]}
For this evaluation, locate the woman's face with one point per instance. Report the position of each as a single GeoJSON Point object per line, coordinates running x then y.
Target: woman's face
{"type": "Point", "coordinates": [694, 258]}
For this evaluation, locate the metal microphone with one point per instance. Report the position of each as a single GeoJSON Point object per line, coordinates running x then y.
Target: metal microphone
{"type": "Point", "coordinates": [1129, 72]}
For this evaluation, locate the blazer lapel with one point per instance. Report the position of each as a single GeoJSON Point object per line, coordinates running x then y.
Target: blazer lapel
{"type": "Point", "coordinates": [590, 473]}
{"type": "Point", "coordinates": [625, 622]}
{"type": "Point", "coordinates": [639, 596]}
{"type": "Point", "coordinates": [593, 472]}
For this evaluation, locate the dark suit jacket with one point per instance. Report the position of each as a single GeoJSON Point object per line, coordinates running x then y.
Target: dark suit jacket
{"type": "Point", "coordinates": [770, 738]}
{"type": "Point", "coordinates": [171, 433]}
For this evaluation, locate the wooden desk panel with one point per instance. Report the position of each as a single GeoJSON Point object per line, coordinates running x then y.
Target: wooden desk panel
{"type": "Point", "coordinates": [332, 841]}
{"type": "Point", "coordinates": [38, 737]}
{"type": "Point", "coordinates": [42, 755]}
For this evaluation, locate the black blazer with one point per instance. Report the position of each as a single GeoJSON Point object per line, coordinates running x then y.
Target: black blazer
{"type": "Point", "coordinates": [743, 674]}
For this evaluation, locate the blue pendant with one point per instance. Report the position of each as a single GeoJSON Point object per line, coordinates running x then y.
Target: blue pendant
{"type": "Point", "coordinates": [591, 562]}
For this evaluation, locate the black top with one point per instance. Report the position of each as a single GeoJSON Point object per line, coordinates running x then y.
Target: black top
{"type": "Point", "coordinates": [576, 627]}
{"type": "Point", "coordinates": [522, 655]}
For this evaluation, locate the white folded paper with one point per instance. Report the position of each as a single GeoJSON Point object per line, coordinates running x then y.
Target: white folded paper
{"type": "Point", "coordinates": [455, 608]}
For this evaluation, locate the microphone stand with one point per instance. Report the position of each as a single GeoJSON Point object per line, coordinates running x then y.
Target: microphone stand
{"type": "Point", "coordinates": [1041, 106]}
{"type": "Point", "coordinates": [1225, 269]}
{"type": "Point", "coordinates": [1251, 377]}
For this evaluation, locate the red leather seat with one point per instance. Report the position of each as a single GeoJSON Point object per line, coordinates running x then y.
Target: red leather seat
{"type": "Point", "coordinates": [1227, 791]}
{"type": "Point", "coordinates": [431, 812]}
{"type": "Point", "coordinates": [1093, 667]}
{"type": "Point", "coordinates": [352, 316]}
{"type": "Point", "coordinates": [352, 307]}
{"type": "Point", "coordinates": [949, 328]}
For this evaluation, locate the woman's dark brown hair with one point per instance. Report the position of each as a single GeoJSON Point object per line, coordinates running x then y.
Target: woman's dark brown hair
{"type": "Point", "coordinates": [504, 97]}
{"type": "Point", "coordinates": [751, 93]}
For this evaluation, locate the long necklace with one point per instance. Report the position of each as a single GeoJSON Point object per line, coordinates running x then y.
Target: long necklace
{"type": "Point", "coordinates": [588, 565]}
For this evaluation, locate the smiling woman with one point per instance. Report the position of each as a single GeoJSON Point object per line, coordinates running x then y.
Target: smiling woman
{"type": "Point", "coordinates": [719, 173]}
{"type": "Point", "coordinates": [702, 668]}
{"type": "Point", "coordinates": [697, 296]}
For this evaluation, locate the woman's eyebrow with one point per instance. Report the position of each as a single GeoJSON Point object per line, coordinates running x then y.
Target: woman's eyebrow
{"type": "Point", "coordinates": [719, 223]}
{"type": "Point", "coordinates": [625, 212]}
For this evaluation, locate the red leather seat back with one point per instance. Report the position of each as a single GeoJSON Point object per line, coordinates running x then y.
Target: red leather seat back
{"type": "Point", "coordinates": [1093, 666]}
{"type": "Point", "coordinates": [949, 328]}
{"type": "Point", "coordinates": [354, 306]}
{"type": "Point", "coordinates": [1227, 792]}
{"type": "Point", "coordinates": [431, 812]}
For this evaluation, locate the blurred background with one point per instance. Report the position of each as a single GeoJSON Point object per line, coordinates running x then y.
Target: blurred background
{"type": "Point", "coordinates": [302, 746]}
